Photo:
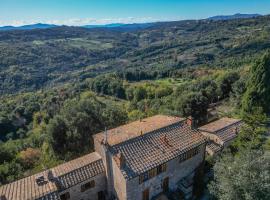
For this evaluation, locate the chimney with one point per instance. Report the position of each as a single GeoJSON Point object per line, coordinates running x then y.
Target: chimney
{"type": "Point", "coordinates": [120, 160]}
{"type": "Point", "coordinates": [40, 180]}
{"type": "Point", "coordinates": [165, 140]}
{"type": "Point", "coordinates": [191, 122]}
{"type": "Point", "coordinates": [3, 197]}
{"type": "Point", "coordinates": [50, 176]}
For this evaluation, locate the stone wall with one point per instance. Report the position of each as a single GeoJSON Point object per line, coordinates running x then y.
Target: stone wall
{"type": "Point", "coordinates": [115, 180]}
{"type": "Point", "coordinates": [90, 194]}
{"type": "Point", "coordinates": [119, 182]}
{"type": "Point", "coordinates": [175, 171]}
{"type": "Point", "coordinates": [103, 152]}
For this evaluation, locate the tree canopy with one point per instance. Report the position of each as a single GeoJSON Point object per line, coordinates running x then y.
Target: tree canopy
{"type": "Point", "coordinates": [244, 177]}
{"type": "Point", "coordinates": [258, 86]}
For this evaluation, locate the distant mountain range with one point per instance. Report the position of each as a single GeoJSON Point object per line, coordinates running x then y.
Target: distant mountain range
{"type": "Point", "coordinates": [28, 27]}
{"type": "Point", "coordinates": [235, 16]}
{"type": "Point", "coordinates": [120, 26]}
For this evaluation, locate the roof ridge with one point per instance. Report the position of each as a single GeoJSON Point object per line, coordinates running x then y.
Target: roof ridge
{"type": "Point", "coordinates": [228, 126]}
{"type": "Point", "coordinates": [144, 152]}
{"type": "Point", "coordinates": [146, 134]}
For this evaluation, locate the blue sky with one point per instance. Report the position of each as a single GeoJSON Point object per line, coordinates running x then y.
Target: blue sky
{"type": "Point", "coordinates": [80, 12]}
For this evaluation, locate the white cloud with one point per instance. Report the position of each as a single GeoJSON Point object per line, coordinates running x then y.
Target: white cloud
{"type": "Point", "coordinates": [81, 22]}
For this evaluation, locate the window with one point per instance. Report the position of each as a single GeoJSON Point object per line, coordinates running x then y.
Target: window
{"type": "Point", "coordinates": [87, 186]}
{"type": "Point", "coordinates": [197, 150]}
{"type": "Point", "coordinates": [145, 194]}
{"type": "Point", "coordinates": [164, 167]}
{"type": "Point", "coordinates": [189, 154]}
{"type": "Point", "coordinates": [65, 196]}
{"type": "Point", "coordinates": [161, 168]}
{"type": "Point", "coordinates": [152, 173]}
{"type": "Point", "coordinates": [141, 179]}
{"type": "Point", "coordinates": [165, 184]}
{"type": "Point", "coordinates": [101, 195]}
{"type": "Point", "coordinates": [144, 177]}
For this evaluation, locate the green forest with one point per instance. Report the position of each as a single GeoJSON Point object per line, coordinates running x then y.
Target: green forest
{"type": "Point", "coordinates": [59, 86]}
{"type": "Point", "coordinates": [35, 59]}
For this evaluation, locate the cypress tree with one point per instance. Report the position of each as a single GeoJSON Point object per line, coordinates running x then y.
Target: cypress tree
{"type": "Point", "coordinates": [257, 94]}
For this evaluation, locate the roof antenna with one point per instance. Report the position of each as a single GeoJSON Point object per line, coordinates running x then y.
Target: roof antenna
{"type": "Point", "coordinates": [106, 136]}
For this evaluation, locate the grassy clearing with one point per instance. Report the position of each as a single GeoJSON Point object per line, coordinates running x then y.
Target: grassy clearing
{"type": "Point", "coordinates": [78, 43]}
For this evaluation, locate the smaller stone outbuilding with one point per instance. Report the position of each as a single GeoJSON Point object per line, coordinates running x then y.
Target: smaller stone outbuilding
{"type": "Point", "coordinates": [220, 133]}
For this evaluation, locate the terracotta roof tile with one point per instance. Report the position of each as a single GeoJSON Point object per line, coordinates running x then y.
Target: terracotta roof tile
{"type": "Point", "coordinates": [72, 165]}
{"type": "Point", "coordinates": [79, 175]}
{"type": "Point", "coordinates": [66, 175]}
{"type": "Point", "coordinates": [213, 147]}
{"type": "Point", "coordinates": [27, 188]}
{"type": "Point", "coordinates": [225, 128]}
{"type": "Point", "coordinates": [219, 124]}
{"type": "Point", "coordinates": [154, 148]}
{"type": "Point", "coordinates": [137, 128]}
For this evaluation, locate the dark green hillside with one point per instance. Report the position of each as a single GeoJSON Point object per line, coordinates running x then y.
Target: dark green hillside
{"type": "Point", "coordinates": [33, 59]}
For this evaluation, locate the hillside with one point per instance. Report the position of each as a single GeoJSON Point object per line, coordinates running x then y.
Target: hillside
{"type": "Point", "coordinates": [235, 16]}
{"type": "Point", "coordinates": [33, 59]}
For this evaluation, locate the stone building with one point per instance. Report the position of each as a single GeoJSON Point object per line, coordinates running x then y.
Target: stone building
{"type": "Point", "coordinates": [136, 161]}
{"type": "Point", "coordinates": [220, 133]}
{"type": "Point", "coordinates": [150, 156]}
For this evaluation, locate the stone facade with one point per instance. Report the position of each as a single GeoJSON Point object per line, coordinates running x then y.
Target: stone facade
{"type": "Point", "coordinates": [116, 183]}
{"type": "Point", "coordinates": [133, 190]}
{"type": "Point", "coordinates": [175, 172]}
{"type": "Point", "coordinates": [99, 187]}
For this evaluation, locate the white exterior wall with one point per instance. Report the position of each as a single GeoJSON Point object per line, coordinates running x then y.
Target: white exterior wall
{"type": "Point", "coordinates": [175, 171]}
{"type": "Point", "coordinates": [90, 194]}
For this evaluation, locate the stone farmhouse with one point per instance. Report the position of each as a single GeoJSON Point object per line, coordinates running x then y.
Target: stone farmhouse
{"type": "Point", "coordinates": [136, 161]}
